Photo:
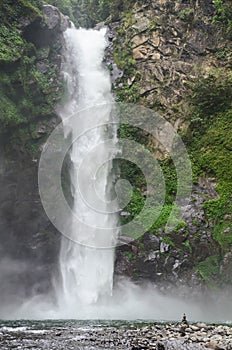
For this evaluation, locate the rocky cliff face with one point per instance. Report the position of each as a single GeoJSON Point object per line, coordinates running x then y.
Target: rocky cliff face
{"type": "Point", "coordinates": [29, 243]}
{"type": "Point", "coordinates": [174, 259]}
{"type": "Point", "coordinates": [166, 45]}
{"type": "Point", "coordinates": [168, 57]}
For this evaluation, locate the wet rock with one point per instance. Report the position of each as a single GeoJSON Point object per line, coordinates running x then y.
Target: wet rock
{"type": "Point", "coordinates": [164, 247]}
{"type": "Point", "coordinates": [151, 241]}
{"type": "Point", "coordinates": [226, 266]}
{"type": "Point", "coordinates": [115, 72]}
{"type": "Point", "coordinates": [24, 22]}
{"type": "Point", "coordinates": [53, 18]}
{"type": "Point", "coordinates": [160, 346]}
{"type": "Point", "coordinates": [42, 67]}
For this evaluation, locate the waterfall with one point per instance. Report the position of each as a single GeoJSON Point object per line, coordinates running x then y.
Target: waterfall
{"type": "Point", "coordinates": [87, 257]}
{"type": "Point", "coordinates": [84, 290]}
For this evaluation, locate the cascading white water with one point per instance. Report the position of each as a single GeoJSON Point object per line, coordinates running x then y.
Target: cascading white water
{"type": "Point", "coordinates": [86, 269]}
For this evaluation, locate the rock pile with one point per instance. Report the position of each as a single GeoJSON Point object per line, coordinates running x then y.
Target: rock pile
{"type": "Point", "coordinates": [183, 336]}
{"type": "Point", "coordinates": [198, 336]}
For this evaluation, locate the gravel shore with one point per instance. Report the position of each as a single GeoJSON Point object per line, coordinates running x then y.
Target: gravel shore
{"type": "Point", "coordinates": [193, 336]}
{"type": "Point", "coordinates": [113, 335]}
{"type": "Point", "coordinates": [198, 336]}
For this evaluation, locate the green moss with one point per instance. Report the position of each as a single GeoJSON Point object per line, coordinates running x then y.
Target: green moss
{"type": "Point", "coordinates": [209, 270]}
{"type": "Point", "coordinates": [163, 217]}
{"type": "Point", "coordinates": [180, 226]}
{"type": "Point", "coordinates": [25, 92]}
{"type": "Point", "coordinates": [168, 240]}
{"type": "Point", "coordinates": [210, 94]}
{"type": "Point", "coordinates": [123, 58]}
{"type": "Point", "coordinates": [9, 115]}
{"type": "Point", "coordinates": [87, 13]}
{"type": "Point", "coordinates": [26, 140]}
{"type": "Point", "coordinates": [128, 93]}
{"type": "Point", "coordinates": [187, 245]}
{"type": "Point", "coordinates": [186, 15]}
{"type": "Point", "coordinates": [170, 177]}
{"type": "Point", "coordinates": [11, 12]}
{"type": "Point", "coordinates": [223, 15]}
{"type": "Point", "coordinates": [223, 54]}
{"type": "Point", "coordinates": [130, 255]}
{"type": "Point", "coordinates": [135, 205]}
{"type": "Point", "coordinates": [216, 147]}
{"type": "Point", "coordinates": [211, 148]}
{"type": "Point", "coordinates": [65, 6]}
{"type": "Point", "coordinates": [11, 44]}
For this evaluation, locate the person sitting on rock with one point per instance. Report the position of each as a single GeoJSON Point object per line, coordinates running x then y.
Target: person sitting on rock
{"type": "Point", "coordinates": [184, 320]}
{"type": "Point", "coordinates": [184, 324]}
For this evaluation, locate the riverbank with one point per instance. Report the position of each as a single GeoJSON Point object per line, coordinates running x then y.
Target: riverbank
{"type": "Point", "coordinates": [115, 335]}
{"type": "Point", "coordinates": [183, 336]}
{"type": "Point", "coordinates": [165, 337]}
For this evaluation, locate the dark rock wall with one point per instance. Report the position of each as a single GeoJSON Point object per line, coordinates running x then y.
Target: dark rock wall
{"type": "Point", "coordinates": [29, 243]}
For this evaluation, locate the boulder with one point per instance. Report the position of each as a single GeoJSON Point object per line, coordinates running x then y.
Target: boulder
{"type": "Point", "coordinates": [53, 18]}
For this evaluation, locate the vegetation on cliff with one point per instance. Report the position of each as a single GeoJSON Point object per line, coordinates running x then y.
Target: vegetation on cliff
{"type": "Point", "coordinates": [203, 108]}
{"type": "Point", "coordinates": [29, 85]}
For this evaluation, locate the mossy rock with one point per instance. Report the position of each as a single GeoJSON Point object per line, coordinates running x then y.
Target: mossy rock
{"type": "Point", "coordinates": [209, 270]}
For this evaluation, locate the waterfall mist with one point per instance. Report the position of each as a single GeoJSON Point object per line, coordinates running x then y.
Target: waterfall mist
{"type": "Point", "coordinates": [129, 302]}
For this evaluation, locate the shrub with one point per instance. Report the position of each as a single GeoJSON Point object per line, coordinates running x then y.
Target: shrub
{"type": "Point", "coordinates": [223, 14]}
{"type": "Point", "coordinates": [209, 269]}
{"type": "Point", "coordinates": [9, 115]}
{"type": "Point", "coordinates": [11, 44]}
{"type": "Point", "coordinates": [211, 94]}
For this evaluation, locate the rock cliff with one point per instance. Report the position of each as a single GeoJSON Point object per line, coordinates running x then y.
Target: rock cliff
{"type": "Point", "coordinates": [174, 57]}
{"type": "Point", "coordinates": [29, 90]}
